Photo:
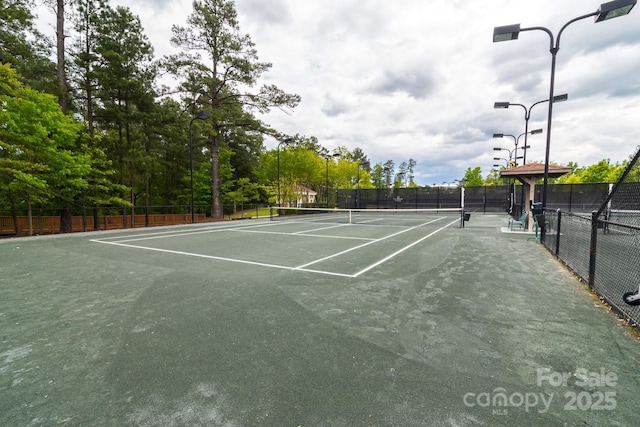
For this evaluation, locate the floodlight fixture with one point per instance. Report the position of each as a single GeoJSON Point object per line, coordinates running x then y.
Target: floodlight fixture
{"type": "Point", "coordinates": [506, 33]}
{"type": "Point", "coordinates": [613, 9]}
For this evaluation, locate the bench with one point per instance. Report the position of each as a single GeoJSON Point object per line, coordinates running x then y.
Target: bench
{"type": "Point", "coordinates": [521, 222]}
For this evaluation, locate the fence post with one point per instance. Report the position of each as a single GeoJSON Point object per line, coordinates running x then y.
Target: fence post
{"type": "Point", "coordinates": [592, 249]}
{"type": "Point", "coordinates": [558, 232]}
{"type": "Point", "coordinates": [570, 197]}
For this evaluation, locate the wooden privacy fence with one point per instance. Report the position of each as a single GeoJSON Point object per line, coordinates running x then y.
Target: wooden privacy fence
{"type": "Point", "coordinates": [51, 224]}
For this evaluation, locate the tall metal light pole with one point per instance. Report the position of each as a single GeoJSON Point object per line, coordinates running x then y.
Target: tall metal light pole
{"type": "Point", "coordinates": [527, 114]}
{"type": "Point", "coordinates": [516, 141]}
{"type": "Point", "coordinates": [506, 161]}
{"type": "Point", "coordinates": [327, 157]}
{"type": "Point", "coordinates": [612, 9]}
{"type": "Point", "coordinates": [200, 115]}
{"type": "Point", "coordinates": [286, 141]}
{"type": "Point", "coordinates": [364, 165]}
{"type": "Point", "coordinates": [512, 161]}
{"type": "Point", "coordinates": [512, 153]}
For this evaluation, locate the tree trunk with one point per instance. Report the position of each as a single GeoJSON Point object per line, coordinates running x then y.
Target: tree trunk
{"type": "Point", "coordinates": [96, 219]}
{"type": "Point", "coordinates": [65, 220]}
{"type": "Point", "coordinates": [29, 214]}
{"type": "Point", "coordinates": [16, 226]}
{"type": "Point", "coordinates": [62, 79]}
{"type": "Point", "coordinates": [216, 206]}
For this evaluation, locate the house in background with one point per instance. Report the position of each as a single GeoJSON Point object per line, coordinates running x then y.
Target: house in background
{"type": "Point", "coordinates": [301, 196]}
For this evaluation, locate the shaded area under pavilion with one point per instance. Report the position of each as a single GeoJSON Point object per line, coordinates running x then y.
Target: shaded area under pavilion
{"type": "Point", "coordinates": [529, 175]}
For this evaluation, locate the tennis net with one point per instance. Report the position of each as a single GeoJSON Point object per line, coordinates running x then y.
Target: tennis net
{"type": "Point", "coordinates": [398, 217]}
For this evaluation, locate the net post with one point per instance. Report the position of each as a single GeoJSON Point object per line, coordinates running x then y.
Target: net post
{"type": "Point", "coordinates": [270, 213]}
{"type": "Point", "coordinates": [462, 206]}
{"type": "Point", "coordinates": [350, 217]}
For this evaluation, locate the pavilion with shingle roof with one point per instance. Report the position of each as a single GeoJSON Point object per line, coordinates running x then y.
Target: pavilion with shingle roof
{"type": "Point", "coordinates": [529, 175]}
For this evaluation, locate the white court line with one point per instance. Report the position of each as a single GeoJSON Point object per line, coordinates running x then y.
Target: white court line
{"type": "Point", "coordinates": [366, 244]}
{"type": "Point", "coordinates": [282, 267]}
{"type": "Point", "coordinates": [216, 226]}
{"type": "Point", "coordinates": [326, 236]}
{"type": "Point", "coordinates": [239, 261]}
{"type": "Point", "coordinates": [321, 228]}
{"type": "Point", "coordinates": [162, 235]}
{"type": "Point", "coordinates": [385, 259]}
{"type": "Point", "coordinates": [195, 255]}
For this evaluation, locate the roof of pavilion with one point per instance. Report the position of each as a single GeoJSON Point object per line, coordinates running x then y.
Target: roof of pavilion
{"type": "Point", "coordinates": [535, 170]}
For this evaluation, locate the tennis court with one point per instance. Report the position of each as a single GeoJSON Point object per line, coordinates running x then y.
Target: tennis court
{"type": "Point", "coordinates": [329, 242]}
{"type": "Point", "coordinates": [310, 320]}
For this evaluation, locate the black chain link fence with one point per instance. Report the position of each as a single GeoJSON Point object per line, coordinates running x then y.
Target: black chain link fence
{"type": "Point", "coordinates": [603, 248]}
{"type": "Point", "coordinates": [400, 198]}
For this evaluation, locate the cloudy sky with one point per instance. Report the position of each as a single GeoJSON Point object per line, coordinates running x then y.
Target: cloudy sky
{"type": "Point", "coordinates": [418, 79]}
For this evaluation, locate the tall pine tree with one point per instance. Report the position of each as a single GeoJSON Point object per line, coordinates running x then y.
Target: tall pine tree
{"type": "Point", "coordinates": [215, 82]}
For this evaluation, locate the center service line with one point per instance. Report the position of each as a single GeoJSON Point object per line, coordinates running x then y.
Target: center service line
{"type": "Point", "coordinates": [303, 266]}
{"type": "Point", "coordinates": [383, 260]}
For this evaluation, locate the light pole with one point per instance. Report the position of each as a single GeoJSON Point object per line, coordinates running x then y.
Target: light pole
{"type": "Point", "coordinates": [327, 157]}
{"type": "Point", "coordinates": [200, 115]}
{"type": "Point", "coordinates": [364, 165]}
{"type": "Point", "coordinates": [612, 9]}
{"type": "Point", "coordinates": [507, 161]}
{"type": "Point", "coordinates": [516, 141]}
{"type": "Point", "coordinates": [286, 141]}
{"type": "Point", "coordinates": [513, 161]}
{"type": "Point", "coordinates": [513, 152]}
{"type": "Point", "coordinates": [527, 114]}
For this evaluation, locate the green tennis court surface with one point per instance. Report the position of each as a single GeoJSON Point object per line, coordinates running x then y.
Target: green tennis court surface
{"type": "Point", "coordinates": [312, 322]}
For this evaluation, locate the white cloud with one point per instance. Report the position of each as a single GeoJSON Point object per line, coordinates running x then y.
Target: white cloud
{"type": "Point", "coordinates": [416, 79]}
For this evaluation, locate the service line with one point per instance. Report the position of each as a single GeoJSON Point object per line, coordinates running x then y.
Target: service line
{"type": "Point", "coordinates": [304, 266]}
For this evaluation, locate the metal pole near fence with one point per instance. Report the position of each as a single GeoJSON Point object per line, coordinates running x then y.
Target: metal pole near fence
{"type": "Point", "coordinates": [592, 249]}
{"type": "Point", "coordinates": [559, 225]}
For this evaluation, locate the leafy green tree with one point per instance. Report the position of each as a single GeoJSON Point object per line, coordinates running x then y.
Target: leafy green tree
{"type": "Point", "coordinates": [411, 166]}
{"type": "Point", "coordinates": [170, 168]}
{"type": "Point", "coordinates": [377, 175]}
{"type": "Point", "coordinates": [40, 161]}
{"type": "Point", "coordinates": [231, 64]}
{"type": "Point", "coordinates": [402, 176]}
{"type": "Point", "coordinates": [634, 173]}
{"type": "Point", "coordinates": [473, 177]}
{"type": "Point", "coordinates": [388, 171]}
{"type": "Point", "coordinates": [245, 192]}
{"type": "Point", "coordinates": [493, 177]}
{"type": "Point", "coordinates": [602, 171]}
{"type": "Point", "coordinates": [85, 62]}
{"type": "Point", "coordinates": [345, 173]}
{"type": "Point", "coordinates": [302, 167]}
{"type": "Point", "coordinates": [357, 155]}
{"type": "Point", "coordinates": [24, 47]}
{"type": "Point", "coordinates": [125, 95]}
{"type": "Point", "coordinates": [596, 172]}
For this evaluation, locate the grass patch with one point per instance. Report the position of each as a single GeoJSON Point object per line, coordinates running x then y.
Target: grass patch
{"type": "Point", "coordinates": [251, 213]}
